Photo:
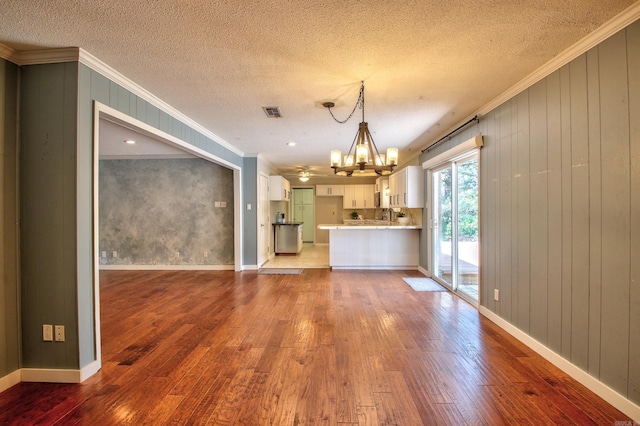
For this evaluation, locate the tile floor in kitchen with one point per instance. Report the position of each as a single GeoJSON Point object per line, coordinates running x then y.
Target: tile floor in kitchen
{"type": "Point", "coordinates": [311, 256]}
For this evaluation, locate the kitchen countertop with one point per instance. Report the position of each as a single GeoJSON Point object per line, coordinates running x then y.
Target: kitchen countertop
{"type": "Point", "coordinates": [367, 225]}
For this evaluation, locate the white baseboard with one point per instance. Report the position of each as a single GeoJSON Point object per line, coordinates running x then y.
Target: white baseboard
{"type": "Point", "coordinates": [166, 267]}
{"type": "Point", "coordinates": [376, 268]}
{"type": "Point", "coordinates": [424, 271]}
{"type": "Point", "coordinates": [250, 267]}
{"type": "Point", "coordinates": [46, 375]}
{"type": "Point", "coordinates": [89, 370]}
{"type": "Point", "coordinates": [596, 386]}
{"type": "Point", "coordinates": [9, 380]}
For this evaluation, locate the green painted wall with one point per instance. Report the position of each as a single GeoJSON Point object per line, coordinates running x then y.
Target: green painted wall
{"type": "Point", "coordinates": [48, 123]}
{"type": "Point", "coordinates": [56, 181]}
{"type": "Point", "coordinates": [250, 225]}
{"type": "Point", "coordinates": [560, 211]}
{"type": "Point", "coordinates": [9, 290]}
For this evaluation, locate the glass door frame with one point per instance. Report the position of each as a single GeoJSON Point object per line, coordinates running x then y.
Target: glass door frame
{"type": "Point", "coordinates": [431, 235]}
{"type": "Point", "coordinates": [435, 222]}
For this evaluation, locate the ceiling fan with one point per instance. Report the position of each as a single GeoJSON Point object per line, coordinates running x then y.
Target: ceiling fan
{"type": "Point", "coordinates": [303, 173]}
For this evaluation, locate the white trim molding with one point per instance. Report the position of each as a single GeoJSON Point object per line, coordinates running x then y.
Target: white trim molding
{"type": "Point", "coordinates": [53, 375]}
{"type": "Point", "coordinates": [73, 54]}
{"type": "Point", "coordinates": [10, 380]}
{"type": "Point", "coordinates": [451, 154]}
{"type": "Point", "coordinates": [50, 375]}
{"type": "Point", "coordinates": [97, 65]}
{"type": "Point", "coordinates": [596, 386]}
{"type": "Point", "coordinates": [609, 28]}
{"type": "Point", "coordinates": [167, 267]}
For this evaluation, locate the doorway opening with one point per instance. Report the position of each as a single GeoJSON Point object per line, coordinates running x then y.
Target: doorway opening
{"type": "Point", "coordinates": [151, 142]}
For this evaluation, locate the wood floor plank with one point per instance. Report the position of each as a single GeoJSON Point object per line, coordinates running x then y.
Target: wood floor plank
{"type": "Point", "coordinates": [322, 347]}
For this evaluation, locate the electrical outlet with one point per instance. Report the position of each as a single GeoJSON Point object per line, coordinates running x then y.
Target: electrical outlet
{"type": "Point", "coordinates": [496, 295]}
{"type": "Point", "coordinates": [115, 254]}
{"type": "Point", "coordinates": [59, 329]}
{"type": "Point", "coordinates": [104, 254]}
{"type": "Point", "coordinates": [216, 204]}
{"type": "Point", "coordinates": [47, 332]}
{"type": "Point", "coordinates": [223, 204]}
{"type": "Point", "coordinates": [205, 253]}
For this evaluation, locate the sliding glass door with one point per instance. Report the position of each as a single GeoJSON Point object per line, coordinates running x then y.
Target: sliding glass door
{"type": "Point", "coordinates": [441, 224]}
{"type": "Point", "coordinates": [454, 223]}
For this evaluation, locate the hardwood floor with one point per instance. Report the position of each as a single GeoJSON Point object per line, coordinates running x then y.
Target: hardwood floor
{"type": "Point", "coordinates": [322, 347]}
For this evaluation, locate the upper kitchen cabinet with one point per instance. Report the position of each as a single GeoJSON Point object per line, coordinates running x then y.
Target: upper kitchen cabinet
{"type": "Point", "coordinates": [358, 197]}
{"type": "Point", "coordinates": [406, 188]}
{"type": "Point", "coordinates": [280, 189]}
{"type": "Point", "coordinates": [329, 190]}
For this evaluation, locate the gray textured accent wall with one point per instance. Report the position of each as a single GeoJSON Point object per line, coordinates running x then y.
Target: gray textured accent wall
{"type": "Point", "coordinates": [9, 293]}
{"type": "Point", "coordinates": [162, 212]}
{"type": "Point", "coordinates": [560, 211]}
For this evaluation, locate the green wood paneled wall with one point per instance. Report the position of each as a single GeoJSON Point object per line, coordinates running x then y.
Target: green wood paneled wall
{"type": "Point", "coordinates": [9, 300]}
{"type": "Point", "coordinates": [560, 211]}
{"type": "Point", "coordinates": [93, 86]}
{"type": "Point", "coordinates": [48, 113]}
{"type": "Point", "coordinates": [56, 180]}
{"type": "Point", "coordinates": [250, 196]}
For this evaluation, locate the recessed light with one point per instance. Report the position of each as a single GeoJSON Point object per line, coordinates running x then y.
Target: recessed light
{"type": "Point", "coordinates": [130, 141]}
{"type": "Point", "coordinates": [291, 143]}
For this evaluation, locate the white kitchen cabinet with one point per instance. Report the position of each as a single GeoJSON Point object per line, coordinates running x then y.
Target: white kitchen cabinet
{"type": "Point", "coordinates": [368, 196]}
{"type": "Point", "coordinates": [329, 190]}
{"type": "Point", "coordinates": [280, 189]}
{"type": "Point", "coordinates": [358, 197]}
{"type": "Point", "coordinates": [406, 188]}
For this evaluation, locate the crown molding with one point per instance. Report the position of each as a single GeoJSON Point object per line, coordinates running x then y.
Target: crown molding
{"type": "Point", "coordinates": [76, 54]}
{"type": "Point", "coordinates": [609, 28]}
{"type": "Point", "coordinates": [48, 56]}
{"type": "Point", "coordinates": [41, 56]}
{"type": "Point", "coordinates": [97, 65]}
{"type": "Point", "coordinates": [7, 53]}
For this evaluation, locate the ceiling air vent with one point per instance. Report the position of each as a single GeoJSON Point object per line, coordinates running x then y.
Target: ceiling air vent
{"type": "Point", "coordinates": [272, 112]}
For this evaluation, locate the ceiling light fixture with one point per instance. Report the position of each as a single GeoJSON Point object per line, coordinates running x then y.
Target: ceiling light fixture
{"type": "Point", "coordinates": [304, 176]}
{"type": "Point", "coordinates": [130, 141]}
{"type": "Point", "coordinates": [363, 156]}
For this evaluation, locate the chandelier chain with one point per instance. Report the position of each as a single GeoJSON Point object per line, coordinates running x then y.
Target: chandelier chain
{"type": "Point", "coordinates": [359, 103]}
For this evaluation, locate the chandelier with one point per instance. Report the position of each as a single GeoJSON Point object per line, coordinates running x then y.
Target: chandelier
{"type": "Point", "coordinates": [363, 156]}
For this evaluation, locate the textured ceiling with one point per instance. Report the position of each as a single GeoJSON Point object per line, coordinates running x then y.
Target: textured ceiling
{"type": "Point", "coordinates": [426, 64]}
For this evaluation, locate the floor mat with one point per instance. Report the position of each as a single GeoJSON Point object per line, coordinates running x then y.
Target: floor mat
{"type": "Point", "coordinates": [423, 284]}
{"type": "Point", "coordinates": [280, 271]}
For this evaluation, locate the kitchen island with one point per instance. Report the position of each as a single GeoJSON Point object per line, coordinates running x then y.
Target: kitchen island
{"type": "Point", "coordinates": [373, 245]}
